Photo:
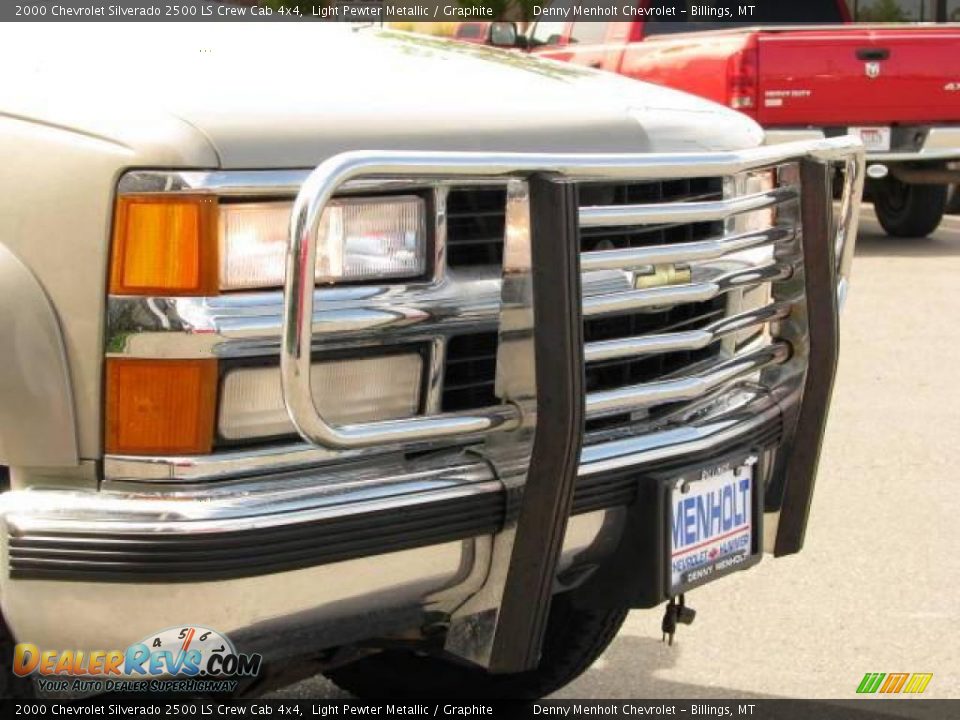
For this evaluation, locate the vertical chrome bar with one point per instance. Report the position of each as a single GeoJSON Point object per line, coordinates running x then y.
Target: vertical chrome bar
{"type": "Point", "coordinates": [433, 394]}
{"type": "Point", "coordinates": [846, 230]}
{"type": "Point", "coordinates": [440, 193]}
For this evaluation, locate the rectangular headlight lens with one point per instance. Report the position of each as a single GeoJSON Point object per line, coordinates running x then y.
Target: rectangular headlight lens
{"type": "Point", "coordinates": [358, 239]}
{"type": "Point", "coordinates": [346, 391]}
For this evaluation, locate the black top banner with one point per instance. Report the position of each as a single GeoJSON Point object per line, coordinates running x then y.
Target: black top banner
{"type": "Point", "coordinates": [685, 14]}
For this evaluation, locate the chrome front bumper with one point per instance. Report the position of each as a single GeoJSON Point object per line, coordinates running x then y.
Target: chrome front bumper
{"type": "Point", "coordinates": [941, 143]}
{"type": "Point", "coordinates": [288, 564]}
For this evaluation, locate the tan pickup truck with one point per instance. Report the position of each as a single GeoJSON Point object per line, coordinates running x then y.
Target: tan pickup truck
{"type": "Point", "coordinates": [420, 373]}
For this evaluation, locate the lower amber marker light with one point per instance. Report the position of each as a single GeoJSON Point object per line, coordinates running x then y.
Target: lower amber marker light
{"type": "Point", "coordinates": [160, 407]}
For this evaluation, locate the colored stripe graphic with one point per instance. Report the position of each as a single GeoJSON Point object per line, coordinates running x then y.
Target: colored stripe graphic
{"type": "Point", "coordinates": [894, 683]}
{"type": "Point", "coordinates": [870, 682]}
{"type": "Point", "coordinates": [918, 682]}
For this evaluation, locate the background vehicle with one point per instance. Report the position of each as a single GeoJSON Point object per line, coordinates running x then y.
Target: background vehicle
{"type": "Point", "coordinates": [380, 382]}
{"type": "Point", "coordinates": [473, 32]}
{"type": "Point", "coordinates": [897, 87]}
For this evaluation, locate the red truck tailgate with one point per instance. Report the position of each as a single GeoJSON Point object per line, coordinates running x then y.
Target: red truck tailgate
{"type": "Point", "coordinates": [851, 76]}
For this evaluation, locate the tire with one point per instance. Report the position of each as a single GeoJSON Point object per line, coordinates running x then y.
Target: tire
{"type": "Point", "coordinates": [953, 200]}
{"type": "Point", "coordinates": [575, 638]}
{"type": "Point", "coordinates": [11, 686]}
{"type": "Point", "coordinates": [910, 211]}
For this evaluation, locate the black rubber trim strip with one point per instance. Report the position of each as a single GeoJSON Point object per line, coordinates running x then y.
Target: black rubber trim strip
{"type": "Point", "coordinates": [147, 558]}
{"type": "Point", "coordinates": [803, 449]}
{"type": "Point", "coordinates": [555, 460]}
{"type": "Point", "coordinates": [112, 557]}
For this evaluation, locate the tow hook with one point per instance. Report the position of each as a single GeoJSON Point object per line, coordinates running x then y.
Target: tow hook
{"type": "Point", "coordinates": [676, 612]}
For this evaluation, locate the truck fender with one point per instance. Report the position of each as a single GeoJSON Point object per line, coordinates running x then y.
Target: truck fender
{"type": "Point", "coordinates": [37, 425]}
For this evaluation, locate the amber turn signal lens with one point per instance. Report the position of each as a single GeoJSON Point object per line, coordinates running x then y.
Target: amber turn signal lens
{"type": "Point", "coordinates": [165, 246]}
{"type": "Point", "coordinates": [160, 407]}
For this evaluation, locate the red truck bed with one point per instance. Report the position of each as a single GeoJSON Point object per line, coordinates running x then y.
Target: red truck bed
{"type": "Point", "coordinates": [840, 75]}
{"type": "Point", "coordinates": [825, 76]}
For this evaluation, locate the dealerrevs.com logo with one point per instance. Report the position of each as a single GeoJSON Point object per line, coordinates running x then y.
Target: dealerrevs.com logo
{"type": "Point", "coordinates": [189, 659]}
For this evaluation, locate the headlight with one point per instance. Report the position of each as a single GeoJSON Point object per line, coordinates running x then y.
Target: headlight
{"type": "Point", "coordinates": [195, 245]}
{"type": "Point", "coordinates": [358, 239]}
{"type": "Point", "coordinates": [346, 391]}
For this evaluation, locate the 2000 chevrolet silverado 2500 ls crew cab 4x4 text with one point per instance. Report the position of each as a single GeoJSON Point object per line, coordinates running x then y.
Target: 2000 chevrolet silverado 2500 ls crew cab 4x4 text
{"type": "Point", "coordinates": [895, 86]}
{"type": "Point", "coordinates": [424, 388]}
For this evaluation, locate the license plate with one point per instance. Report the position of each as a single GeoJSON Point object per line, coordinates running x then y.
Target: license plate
{"type": "Point", "coordinates": [873, 138]}
{"type": "Point", "coordinates": [711, 523]}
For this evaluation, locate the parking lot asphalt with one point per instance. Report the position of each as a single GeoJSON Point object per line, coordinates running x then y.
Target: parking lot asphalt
{"type": "Point", "coordinates": [875, 589]}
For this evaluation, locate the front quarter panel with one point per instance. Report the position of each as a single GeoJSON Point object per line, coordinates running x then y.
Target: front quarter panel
{"type": "Point", "coordinates": [58, 178]}
{"type": "Point", "coordinates": [36, 419]}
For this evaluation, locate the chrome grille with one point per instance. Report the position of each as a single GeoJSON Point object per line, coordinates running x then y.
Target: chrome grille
{"type": "Point", "coordinates": [633, 236]}
{"type": "Point", "coordinates": [715, 318]}
{"type": "Point", "coordinates": [625, 348]}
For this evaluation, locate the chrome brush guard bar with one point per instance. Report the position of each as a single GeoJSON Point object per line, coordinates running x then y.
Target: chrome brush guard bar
{"type": "Point", "coordinates": [299, 333]}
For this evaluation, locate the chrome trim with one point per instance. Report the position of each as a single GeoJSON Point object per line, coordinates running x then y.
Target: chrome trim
{"type": "Point", "coordinates": [685, 339]}
{"type": "Point", "coordinates": [676, 294]}
{"type": "Point", "coordinates": [228, 464]}
{"type": "Point", "coordinates": [703, 437]}
{"type": "Point", "coordinates": [259, 503]}
{"type": "Point", "coordinates": [635, 397]}
{"type": "Point", "coordinates": [239, 324]}
{"type": "Point", "coordinates": [712, 249]}
{"type": "Point", "coordinates": [684, 212]}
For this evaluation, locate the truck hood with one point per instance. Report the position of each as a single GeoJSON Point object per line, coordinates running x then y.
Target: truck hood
{"type": "Point", "coordinates": [292, 95]}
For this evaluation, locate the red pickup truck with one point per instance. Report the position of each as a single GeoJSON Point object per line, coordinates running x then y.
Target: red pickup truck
{"type": "Point", "coordinates": [896, 86]}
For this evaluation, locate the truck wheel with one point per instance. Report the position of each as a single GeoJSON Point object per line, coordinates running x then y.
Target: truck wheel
{"type": "Point", "coordinates": [575, 638]}
{"type": "Point", "coordinates": [909, 210]}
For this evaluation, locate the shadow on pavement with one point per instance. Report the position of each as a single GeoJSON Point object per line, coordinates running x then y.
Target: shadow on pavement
{"type": "Point", "coordinates": [629, 669]}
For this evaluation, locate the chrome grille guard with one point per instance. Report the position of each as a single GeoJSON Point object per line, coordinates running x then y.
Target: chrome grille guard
{"type": "Point", "coordinates": [299, 334]}
{"type": "Point", "coordinates": [541, 288]}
